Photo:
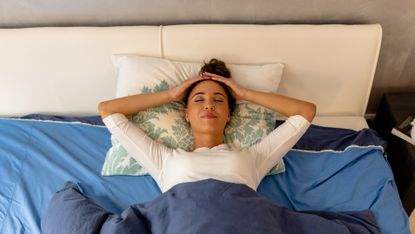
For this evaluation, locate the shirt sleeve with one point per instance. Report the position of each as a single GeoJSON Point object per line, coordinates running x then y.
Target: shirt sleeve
{"type": "Point", "coordinates": [147, 152]}
{"type": "Point", "coordinates": [272, 148]}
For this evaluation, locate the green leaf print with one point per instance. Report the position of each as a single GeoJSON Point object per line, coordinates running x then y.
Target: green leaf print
{"type": "Point", "coordinates": [248, 125]}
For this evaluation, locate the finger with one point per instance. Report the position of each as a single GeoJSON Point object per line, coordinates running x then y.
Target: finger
{"type": "Point", "coordinates": [189, 82]}
{"type": "Point", "coordinates": [221, 79]}
{"type": "Point", "coordinates": [206, 76]}
{"type": "Point", "coordinates": [195, 79]}
{"type": "Point", "coordinates": [211, 74]}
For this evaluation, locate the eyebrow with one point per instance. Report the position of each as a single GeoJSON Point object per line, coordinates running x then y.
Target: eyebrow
{"type": "Point", "coordinates": [216, 93]}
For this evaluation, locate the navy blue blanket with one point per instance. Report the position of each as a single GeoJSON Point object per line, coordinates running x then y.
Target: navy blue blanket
{"type": "Point", "coordinates": [206, 206]}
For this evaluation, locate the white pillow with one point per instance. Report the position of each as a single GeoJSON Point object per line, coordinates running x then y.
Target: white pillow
{"type": "Point", "coordinates": [137, 71]}
{"type": "Point", "coordinates": [138, 74]}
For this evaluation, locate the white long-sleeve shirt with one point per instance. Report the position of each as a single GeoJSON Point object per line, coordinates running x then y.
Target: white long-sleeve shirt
{"type": "Point", "coordinates": [169, 166]}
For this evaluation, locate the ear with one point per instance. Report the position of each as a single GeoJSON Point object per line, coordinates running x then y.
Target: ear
{"type": "Point", "coordinates": [186, 116]}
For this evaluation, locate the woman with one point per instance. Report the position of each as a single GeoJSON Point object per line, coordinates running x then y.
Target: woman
{"type": "Point", "coordinates": [209, 100]}
{"type": "Point", "coordinates": [211, 189]}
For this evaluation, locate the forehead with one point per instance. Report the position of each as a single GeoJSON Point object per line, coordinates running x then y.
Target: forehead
{"type": "Point", "coordinates": [208, 87]}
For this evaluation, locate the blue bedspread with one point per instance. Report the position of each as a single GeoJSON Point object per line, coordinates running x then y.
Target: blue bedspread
{"type": "Point", "coordinates": [205, 207]}
{"type": "Point", "coordinates": [329, 169]}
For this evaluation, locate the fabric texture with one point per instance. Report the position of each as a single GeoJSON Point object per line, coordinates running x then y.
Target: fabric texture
{"type": "Point", "coordinates": [166, 124]}
{"type": "Point", "coordinates": [344, 178]}
{"type": "Point", "coordinates": [69, 211]}
{"type": "Point", "coordinates": [170, 166]}
{"type": "Point", "coordinates": [206, 206]}
{"type": "Point", "coordinates": [92, 120]}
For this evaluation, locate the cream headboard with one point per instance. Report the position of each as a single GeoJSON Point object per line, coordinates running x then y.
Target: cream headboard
{"type": "Point", "coordinates": [68, 70]}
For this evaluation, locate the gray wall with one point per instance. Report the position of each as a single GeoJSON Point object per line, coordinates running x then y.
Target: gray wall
{"type": "Point", "coordinates": [396, 67]}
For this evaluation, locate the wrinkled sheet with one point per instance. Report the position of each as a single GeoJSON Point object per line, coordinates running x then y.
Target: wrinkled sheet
{"type": "Point", "coordinates": [207, 207]}
{"type": "Point", "coordinates": [329, 169]}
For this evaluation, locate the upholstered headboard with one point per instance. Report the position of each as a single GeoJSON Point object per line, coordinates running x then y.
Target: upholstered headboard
{"type": "Point", "coordinates": [68, 70]}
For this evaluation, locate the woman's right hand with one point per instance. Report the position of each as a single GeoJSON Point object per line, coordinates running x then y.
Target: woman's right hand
{"type": "Point", "coordinates": [178, 93]}
{"type": "Point", "coordinates": [132, 104]}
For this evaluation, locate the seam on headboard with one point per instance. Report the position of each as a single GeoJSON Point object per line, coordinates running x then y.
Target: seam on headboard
{"type": "Point", "coordinates": [161, 41]}
{"type": "Point", "coordinates": [375, 63]}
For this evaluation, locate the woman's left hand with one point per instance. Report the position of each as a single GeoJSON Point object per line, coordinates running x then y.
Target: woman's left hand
{"type": "Point", "coordinates": [237, 91]}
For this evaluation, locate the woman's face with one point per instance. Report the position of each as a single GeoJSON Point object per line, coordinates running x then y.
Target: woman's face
{"type": "Point", "coordinates": [207, 108]}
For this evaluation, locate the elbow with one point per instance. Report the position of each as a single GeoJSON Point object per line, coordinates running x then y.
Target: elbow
{"type": "Point", "coordinates": [102, 108]}
{"type": "Point", "coordinates": [310, 112]}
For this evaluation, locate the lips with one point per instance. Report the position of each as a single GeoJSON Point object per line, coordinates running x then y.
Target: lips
{"type": "Point", "coordinates": [208, 115]}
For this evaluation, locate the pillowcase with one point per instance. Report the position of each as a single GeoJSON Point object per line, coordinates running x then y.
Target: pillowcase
{"type": "Point", "coordinates": [166, 123]}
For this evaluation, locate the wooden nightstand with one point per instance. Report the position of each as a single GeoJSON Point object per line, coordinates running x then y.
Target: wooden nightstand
{"type": "Point", "coordinates": [393, 109]}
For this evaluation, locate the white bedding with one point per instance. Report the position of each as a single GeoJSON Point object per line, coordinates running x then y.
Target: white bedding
{"type": "Point", "coordinates": [349, 122]}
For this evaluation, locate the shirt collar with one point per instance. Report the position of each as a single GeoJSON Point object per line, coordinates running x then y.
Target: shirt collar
{"type": "Point", "coordinates": [215, 148]}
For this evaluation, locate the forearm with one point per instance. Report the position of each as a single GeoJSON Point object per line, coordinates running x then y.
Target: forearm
{"type": "Point", "coordinates": [284, 105]}
{"type": "Point", "coordinates": [132, 104]}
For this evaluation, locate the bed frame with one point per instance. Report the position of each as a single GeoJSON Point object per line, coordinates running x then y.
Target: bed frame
{"type": "Point", "coordinates": [68, 70]}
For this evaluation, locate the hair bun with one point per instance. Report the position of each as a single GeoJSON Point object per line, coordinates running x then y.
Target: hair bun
{"type": "Point", "coordinates": [217, 67]}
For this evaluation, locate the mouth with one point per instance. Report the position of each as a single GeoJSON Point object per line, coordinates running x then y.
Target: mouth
{"type": "Point", "coordinates": [208, 116]}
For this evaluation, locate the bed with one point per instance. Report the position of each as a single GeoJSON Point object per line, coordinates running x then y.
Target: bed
{"type": "Point", "coordinates": [52, 79]}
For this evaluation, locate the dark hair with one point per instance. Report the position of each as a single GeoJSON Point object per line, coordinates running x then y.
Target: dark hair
{"type": "Point", "coordinates": [217, 67]}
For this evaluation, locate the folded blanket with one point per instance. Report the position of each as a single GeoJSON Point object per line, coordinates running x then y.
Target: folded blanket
{"type": "Point", "coordinates": [206, 206]}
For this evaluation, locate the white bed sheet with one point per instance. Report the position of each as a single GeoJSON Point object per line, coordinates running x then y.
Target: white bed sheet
{"type": "Point", "coordinates": [349, 122]}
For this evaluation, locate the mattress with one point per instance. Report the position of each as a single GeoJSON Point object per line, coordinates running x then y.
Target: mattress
{"type": "Point", "coordinates": [347, 122]}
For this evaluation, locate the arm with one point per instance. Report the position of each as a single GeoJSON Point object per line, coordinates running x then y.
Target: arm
{"type": "Point", "coordinates": [147, 152]}
{"type": "Point", "coordinates": [133, 104]}
{"type": "Point", "coordinates": [282, 104]}
{"type": "Point", "coordinates": [271, 149]}
{"type": "Point", "coordinates": [136, 103]}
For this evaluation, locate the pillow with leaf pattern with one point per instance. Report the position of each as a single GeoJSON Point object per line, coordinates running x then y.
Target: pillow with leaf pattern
{"type": "Point", "coordinates": [166, 124]}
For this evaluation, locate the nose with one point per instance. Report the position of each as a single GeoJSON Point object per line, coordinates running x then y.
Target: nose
{"type": "Point", "coordinates": [209, 107]}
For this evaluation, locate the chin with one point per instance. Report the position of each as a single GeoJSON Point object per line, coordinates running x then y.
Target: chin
{"type": "Point", "coordinates": [203, 128]}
